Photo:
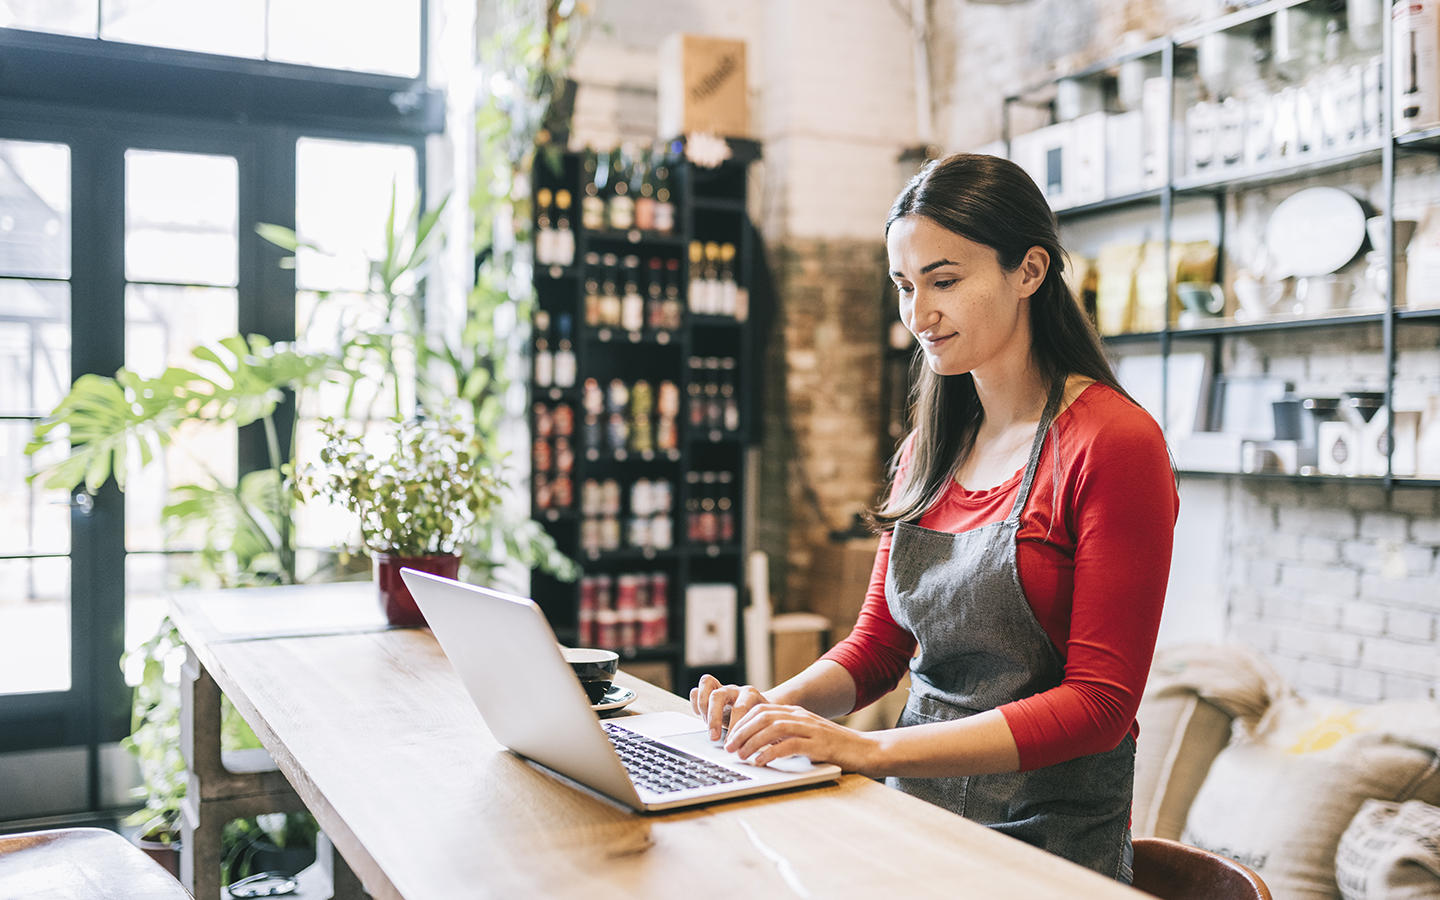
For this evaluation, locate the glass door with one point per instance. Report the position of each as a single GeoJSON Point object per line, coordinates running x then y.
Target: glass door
{"type": "Point", "coordinates": [116, 249]}
{"type": "Point", "coordinates": [35, 365]}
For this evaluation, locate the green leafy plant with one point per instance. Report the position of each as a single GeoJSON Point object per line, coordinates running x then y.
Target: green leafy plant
{"type": "Point", "coordinates": [154, 738]}
{"type": "Point", "coordinates": [422, 496]}
{"type": "Point", "coordinates": [251, 843]}
{"type": "Point", "coordinates": [108, 422]}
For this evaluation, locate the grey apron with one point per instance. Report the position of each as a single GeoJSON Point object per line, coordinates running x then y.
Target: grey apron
{"type": "Point", "coordinates": [980, 646]}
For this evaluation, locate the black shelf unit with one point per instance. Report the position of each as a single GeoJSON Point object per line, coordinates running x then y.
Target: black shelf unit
{"type": "Point", "coordinates": [1174, 53]}
{"type": "Point", "coordinates": [710, 206]}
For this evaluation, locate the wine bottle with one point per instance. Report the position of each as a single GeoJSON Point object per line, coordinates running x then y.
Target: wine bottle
{"type": "Point", "coordinates": [713, 290]}
{"type": "Point", "coordinates": [674, 307]}
{"type": "Point", "coordinates": [610, 305]}
{"type": "Point", "coordinates": [632, 304]}
{"type": "Point", "coordinates": [696, 293]}
{"type": "Point", "coordinates": [620, 206]}
{"type": "Point", "coordinates": [664, 204]}
{"type": "Point", "coordinates": [643, 190]}
{"type": "Point", "coordinates": [544, 233]}
{"type": "Point", "coordinates": [564, 356]}
{"type": "Point", "coordinates": [592, 205]}
{"type": "Point", "coordinates": [564, 233]}
{"type": "Point", "coordinates": [655, 295]}
{"type": "Point", "coordinates": [593, 300]}
{"type": "Point", "coordinates": [727, 305]}
{"type": "Point", "coordinates": [728, 399]}
{"type": "Point", "coordinates": [544, 359]}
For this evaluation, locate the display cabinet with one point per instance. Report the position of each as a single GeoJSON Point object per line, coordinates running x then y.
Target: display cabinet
{"type": "Point", "coordinates": [1177, 138]}
{"type": "Point", "coordinates": [640, 413]}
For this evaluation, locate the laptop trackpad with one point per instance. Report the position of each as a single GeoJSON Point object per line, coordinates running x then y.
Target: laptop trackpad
{"type": "Point", "coordinates": [688, 733]}
{"type": "Point", "coordinates": [662, 724]}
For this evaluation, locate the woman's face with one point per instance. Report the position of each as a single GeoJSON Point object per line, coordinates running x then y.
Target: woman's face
{"type": "Point", "coordinates": [963, 308]}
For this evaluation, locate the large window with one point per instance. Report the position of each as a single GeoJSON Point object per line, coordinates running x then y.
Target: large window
{"type": "Point", "coordinates": [34, 375]}
{"type": "Point", "coordinates": [362, 35]}
{"type": "Point", "coordinates": [128, 236]}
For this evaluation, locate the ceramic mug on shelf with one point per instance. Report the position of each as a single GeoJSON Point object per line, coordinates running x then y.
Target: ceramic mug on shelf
{"type": "Point", "coordinates": [1318, 295]}
{"type": "Point", "coordinates": [1201, 298]}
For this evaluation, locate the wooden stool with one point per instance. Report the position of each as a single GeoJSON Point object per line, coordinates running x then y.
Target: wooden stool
{"type": "Point", "coordinates": [81, 862]}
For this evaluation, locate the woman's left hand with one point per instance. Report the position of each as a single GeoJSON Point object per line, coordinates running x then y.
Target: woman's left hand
{"type": "Point", "coordinates": [769, 731]}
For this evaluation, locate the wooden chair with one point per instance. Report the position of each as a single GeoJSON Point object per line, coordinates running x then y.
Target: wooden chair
{"type": "Point", "coordinates": [1175, 871]}
{"type": "Point", "coordinates": [81, 862]}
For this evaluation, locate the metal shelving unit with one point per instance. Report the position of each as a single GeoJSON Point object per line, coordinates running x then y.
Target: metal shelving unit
{"type": "Point", "coordinates": [1382, 152]}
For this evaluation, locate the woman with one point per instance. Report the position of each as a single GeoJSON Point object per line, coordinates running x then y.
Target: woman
{"type": "Point", "coordinates": [1025, 545]}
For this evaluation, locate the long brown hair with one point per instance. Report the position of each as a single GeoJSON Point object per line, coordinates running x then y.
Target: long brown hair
{"type": "Point", "coordinates": [990, 201]}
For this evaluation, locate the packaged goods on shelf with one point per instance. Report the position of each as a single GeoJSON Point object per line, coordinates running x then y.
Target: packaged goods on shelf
{"type": "Point", "coordinates": [624, 612]}
{"type": "Point", "coordinates": [1416, 60]}
{"type": "Point", "coordinates": [710, 624]}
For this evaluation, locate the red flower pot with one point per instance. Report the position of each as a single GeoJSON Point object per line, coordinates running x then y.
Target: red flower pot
{"type": "Point", "coordinates": [395, 599]}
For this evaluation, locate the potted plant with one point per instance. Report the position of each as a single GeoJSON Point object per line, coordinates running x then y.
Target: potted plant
{"type": "Point", "coordinates": [418, 495]}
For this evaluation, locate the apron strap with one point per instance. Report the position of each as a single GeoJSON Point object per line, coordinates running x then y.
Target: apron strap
{"type": "Point", "coordinates": [1052, 405]}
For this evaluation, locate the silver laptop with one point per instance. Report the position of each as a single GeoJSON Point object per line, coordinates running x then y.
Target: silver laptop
{"type": "Point", "coordinates": [510, 663]}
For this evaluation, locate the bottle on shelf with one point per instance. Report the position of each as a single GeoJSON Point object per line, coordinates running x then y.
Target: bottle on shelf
{"type": "Point", "coordinates": [664, 202]}
{"type": "Point", "coordinates": [593, 300]}
{"type": "Point", "coordinates": [727, 305]}
{"type": "Point", "coordinates": [724, 509]}
{"type": "Point", "coordinates": [617, 400]}
{"type": "Point", "coordinates": [711, 279]}
{"type": "Point", "coordinates": [642, 401]}
{"type": "Point", "coordinates": [619, 205]}
{"type": "Point", "coordinates": [565, 369]}
{"type": "Point", "coordinates": [564, 232]}
{"type": "Point", "coordinates": [729, 399]}
{"type": "Point", "coordinates": [674, 306]}
{"type": "Point", "coordinates": [655, 295]}
{"type": "Point", "coordinates": [544, 231]}
{"type": "Point", "coordinates": [592, 205]}
{"type": "Point", "coordinates": [667, 409]}
{"type": "Point", "coordinates": [714, 406]}
{"type": "Point", "coordinates": [632, 304]}
{"type": "Point", "coordinates": [643, 190]}
{"type": "Point", "coordinates": [544, 358]}
{"type": "Point", "coordinates": [696, 293]}
{"type": "Point", "coordinates": [610, 303]}
{"type": "Point", "coordinates": [695, 393]}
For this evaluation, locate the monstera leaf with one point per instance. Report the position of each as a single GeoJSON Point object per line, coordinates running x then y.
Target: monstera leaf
{"type": "Point", "coordinates": [237, 380]}
{"type": "Point", "coordinates": [241, 525]}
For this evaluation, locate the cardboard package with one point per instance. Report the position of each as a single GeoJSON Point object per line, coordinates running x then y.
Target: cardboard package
{"type": "Point", "coordinates": [702, 87]}
{"type": "Point", "coordinates": [1416, 73]}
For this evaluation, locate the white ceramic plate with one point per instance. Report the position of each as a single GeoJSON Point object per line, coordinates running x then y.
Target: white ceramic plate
{"type": "Point", "coordinates": [1314, 231]}
{"type": "Point", "coordinates": [616, 698]}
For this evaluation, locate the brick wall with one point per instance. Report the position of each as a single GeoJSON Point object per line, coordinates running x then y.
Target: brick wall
{"type": "Point", "coordinates": [822, 453]}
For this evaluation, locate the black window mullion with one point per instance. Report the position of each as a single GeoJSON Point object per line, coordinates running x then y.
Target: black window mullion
{"type": "Point", "coordinates": [100, 701]}
{"type": "Point", "coordinates": [267, 289]}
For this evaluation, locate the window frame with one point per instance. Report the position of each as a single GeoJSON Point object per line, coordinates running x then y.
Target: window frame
{"type": "Point", "coordinates": [101, 98]}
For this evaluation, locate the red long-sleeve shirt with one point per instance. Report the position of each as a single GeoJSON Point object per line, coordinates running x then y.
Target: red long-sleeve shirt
{"type": "Point", "coordinates": [1093, 550]}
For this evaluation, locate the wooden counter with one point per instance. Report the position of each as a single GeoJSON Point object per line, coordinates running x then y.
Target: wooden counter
{"type": "Point", "coordinates": [376, 734]}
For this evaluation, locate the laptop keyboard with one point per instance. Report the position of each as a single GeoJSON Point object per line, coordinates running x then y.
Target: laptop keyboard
{"type": "Point", "coordinates": [664, 769]}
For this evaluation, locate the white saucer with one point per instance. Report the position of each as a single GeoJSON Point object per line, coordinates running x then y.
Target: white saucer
{"type": "Point", "coordinates": [616, 697]}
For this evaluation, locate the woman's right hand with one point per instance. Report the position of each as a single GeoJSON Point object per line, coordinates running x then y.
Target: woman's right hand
{"type": "Point", "coordinates": [711, 700]}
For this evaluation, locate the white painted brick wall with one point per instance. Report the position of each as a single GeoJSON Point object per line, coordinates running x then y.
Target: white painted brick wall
{"type": "Point", "coordinates": [1362, 618]}
{"type": "Point", "coordinates": [1410, 625]}
{"type": "Point", "coordinates": [1361, 685]}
